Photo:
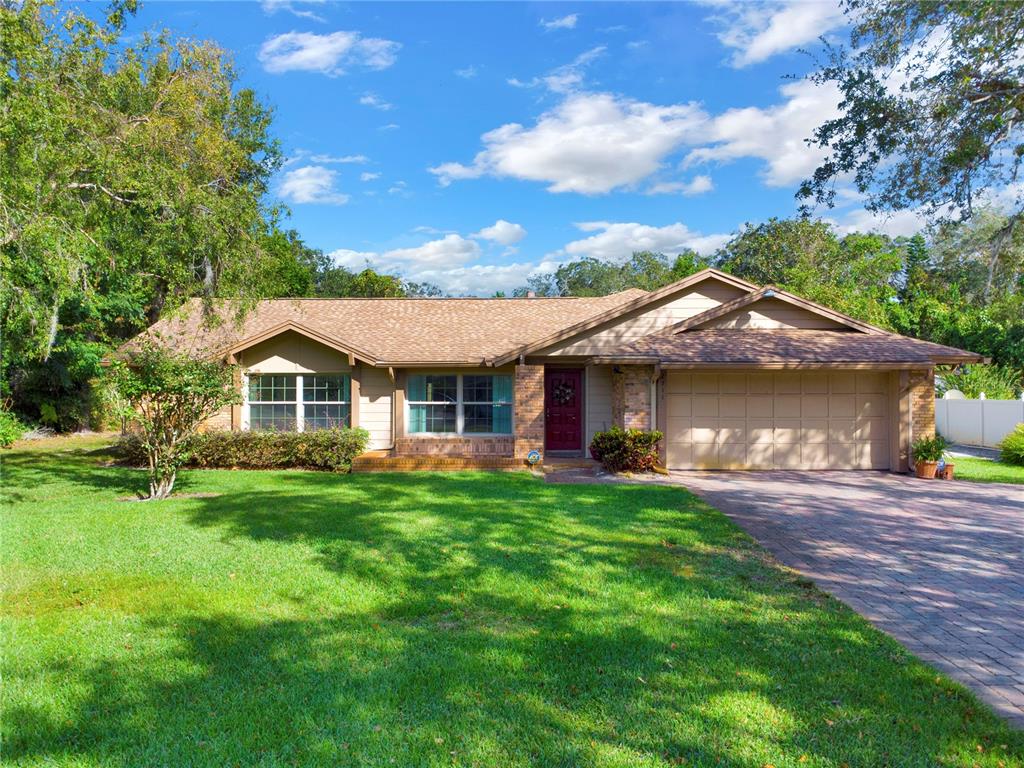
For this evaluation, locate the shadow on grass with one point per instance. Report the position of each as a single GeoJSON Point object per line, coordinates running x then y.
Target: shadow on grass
{"type": "Point", "coordinates": [519, 624]}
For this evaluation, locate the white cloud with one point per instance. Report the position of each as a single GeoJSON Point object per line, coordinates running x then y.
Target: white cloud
{"type": "Point", "coordinates": [389, 127]}
{"type": "Point", "coordinates": [371, 99]}
{"type": "Point", "coordinates": [271, 7]}
{"type": "Point", "coordinates": [329, 54]}
{"type": "Point", "coordinates": [311, 184]}
{"type": "Point", "coordinates": [466, 73]}
{"type": "Point", "coordinates": [616, 241]}
{"type": "Point", "coordinates": [896, 224]}
{"type": "Point", "coordinates": [504, 232]}
{"type": "Point", "coordinates": [775, 134]}
{"type": "Point", "coordinates": [590, 143]}
{"type": "Point", "coordinates": [698, 185]}
{"type": "Point", "coordinates": [564, 22]}
{"type": "Point", "coordinates": [368, 176]}
{"type": "Point", "coordinates": [636, 45]}
{"type": "Point", "coordinates": [303, 155]}
{"type": "Point", "coordinates": [399, 188]}
{"type": "Point", "coordinates": [563, 79]}
{"type": "Point", "coordinates": [758, 31]}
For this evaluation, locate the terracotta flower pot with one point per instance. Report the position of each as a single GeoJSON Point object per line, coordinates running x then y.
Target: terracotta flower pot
{"type": "Point", "coordinates": [926, 469]}
{"type": "Point", "coordinates": [947, 472]}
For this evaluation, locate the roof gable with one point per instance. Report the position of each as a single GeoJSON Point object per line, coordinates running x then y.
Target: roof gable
{"type": "Point", "coordinates": [764, 298]}
{"type": "Point", "coordinates": [570, 332]}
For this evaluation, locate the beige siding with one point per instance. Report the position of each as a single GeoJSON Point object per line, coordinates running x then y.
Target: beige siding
{"type": "Point", "coordinates": [375, 392]}
{"type": "Point", "coordinates": [291, 352]}
{"type": "Point", "coordinates": [598, 400]}
{"type": "Point", "coordinates": [772, 313]}
{"type": "Point", "coordinates": [673, 309]}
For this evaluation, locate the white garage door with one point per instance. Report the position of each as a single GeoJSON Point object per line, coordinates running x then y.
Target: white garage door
{"type": "Point", "coordinates": [785, 420]}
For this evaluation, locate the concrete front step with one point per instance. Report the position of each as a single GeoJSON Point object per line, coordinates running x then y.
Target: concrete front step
{"type": "Point", "coordinates": [375, 462]}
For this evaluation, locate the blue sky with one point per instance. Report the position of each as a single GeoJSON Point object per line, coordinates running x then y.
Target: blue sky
{"type": "Point", "coordinates": [472, 144]}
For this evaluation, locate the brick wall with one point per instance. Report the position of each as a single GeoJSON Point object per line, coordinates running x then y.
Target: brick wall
{"type": "Point", "coordinates": [221, 420]}
{"type": "Point", "coordinates": [528, 410]}
{"type": "Point", "coordinates": [922, 402]}
{"type": "Point", "coordinates": [631, 396]}
{"type": "Point", "coordinates": [454, 446]}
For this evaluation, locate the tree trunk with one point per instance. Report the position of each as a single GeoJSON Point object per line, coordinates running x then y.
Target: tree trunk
{"type": "Point", "coordinates": [161, 487]}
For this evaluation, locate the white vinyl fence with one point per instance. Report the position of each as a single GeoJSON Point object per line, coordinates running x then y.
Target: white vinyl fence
{"type": "Point", "coordinates": [977, 422]}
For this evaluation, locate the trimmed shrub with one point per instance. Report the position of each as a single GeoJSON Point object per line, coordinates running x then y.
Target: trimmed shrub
{"type": "Point", "coordinates": [1011, 450]}
{"type": "Point", "coordinates": [326, 449]}
{"type": "Point", "coordinates": [626, 450]}
{"type": "Point", "coordinates": [11, 428]}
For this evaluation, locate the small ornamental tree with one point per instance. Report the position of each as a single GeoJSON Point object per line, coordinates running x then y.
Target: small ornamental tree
{"type": "Point", "coordinates": [168, 396]}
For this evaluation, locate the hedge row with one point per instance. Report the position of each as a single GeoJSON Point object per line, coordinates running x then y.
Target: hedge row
{"type": "Point", "coordinates": [326, 449]}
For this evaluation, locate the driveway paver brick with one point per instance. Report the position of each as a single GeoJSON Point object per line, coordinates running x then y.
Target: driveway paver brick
{"type": "Point", "coordinates": [938, 565]}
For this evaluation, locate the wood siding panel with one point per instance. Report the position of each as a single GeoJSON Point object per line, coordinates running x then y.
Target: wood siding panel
{"type": "Point", "coordinates": [375, 393]}
{"type": "Point", "coordinates": [772, 313]}
{"type": "Point", "coordinates": [599, 401]}
{"type": "Point", "coordinates": [291, 352]}
{"type": "Point", "coordinates": [634, 326]}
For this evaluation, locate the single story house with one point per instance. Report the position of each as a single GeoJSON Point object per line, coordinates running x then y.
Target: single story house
{"type": "Point", "coordinates": [737, 376]}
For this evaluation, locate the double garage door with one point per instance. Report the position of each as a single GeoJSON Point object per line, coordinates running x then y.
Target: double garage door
{"type": "Point", "coordinates": [786, 420]}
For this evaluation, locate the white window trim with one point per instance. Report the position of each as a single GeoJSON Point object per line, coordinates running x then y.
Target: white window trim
{"type": "Point", "coordinates": [460, 413]}
{"type": "Point", "coordinates": [299, 402]}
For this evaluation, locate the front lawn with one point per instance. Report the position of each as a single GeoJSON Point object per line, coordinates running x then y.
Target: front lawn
{"type": "Point", "coordinates": [986, 470]}
{"type": "Point", "coordinates": [307, 619]}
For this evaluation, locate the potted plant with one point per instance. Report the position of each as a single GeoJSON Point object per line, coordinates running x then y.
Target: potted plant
{"type": "Point", "coordinates": [927, 452]}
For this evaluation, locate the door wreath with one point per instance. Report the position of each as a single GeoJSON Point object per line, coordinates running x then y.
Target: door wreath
{"type": "Point", "coordinates": [563, 393]}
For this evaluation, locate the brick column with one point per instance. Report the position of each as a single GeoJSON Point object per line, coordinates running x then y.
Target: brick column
{"type": "Point", "coordinates": [528, 410]}
{"type": "Point", "coordinates": [631, 396]}
{"type": "Point", "coordinates": [922, 403]}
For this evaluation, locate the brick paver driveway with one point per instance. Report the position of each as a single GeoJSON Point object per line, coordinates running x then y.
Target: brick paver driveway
{"type": "Point", "coordinates": [938, 565]}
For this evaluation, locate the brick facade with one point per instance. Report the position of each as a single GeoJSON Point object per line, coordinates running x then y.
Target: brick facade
{"type": "Point", "coordinates": [631, 396]}
{"type": "Point", "coordinates": [221, 420]}
{"type": "Point", "coordinates": [922, 402]}
{"type": "Point", "coordinates": [454, 446]}
{"type": "Point", "coordinates": [528, 410]}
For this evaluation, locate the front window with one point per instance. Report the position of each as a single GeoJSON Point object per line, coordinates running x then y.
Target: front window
{"type": "Point", "coordinates": [299, 402]}
{"type": "Point", "coordinates": [460, 404]}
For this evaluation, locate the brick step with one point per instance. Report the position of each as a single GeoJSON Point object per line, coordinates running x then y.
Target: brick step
{"type": "Point", "coordinates": [377, 463]}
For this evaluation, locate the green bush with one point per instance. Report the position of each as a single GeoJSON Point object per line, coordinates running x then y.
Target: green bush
{"type": "Point", "coordinates": [1011, 450]}
{"type": "Point", "coordinates": [11, 428]}
{"type": "Point", "coordinates": [997, 382]}
{"type": "Point", "coordinates": [327, 449]}
{"type": "Point", "coordinates": [626, 450]}
{"type": "Point", "coordinates": [929, 448]}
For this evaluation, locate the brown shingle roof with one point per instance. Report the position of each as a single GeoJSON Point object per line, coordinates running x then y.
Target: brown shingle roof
{"type": "Point", "coordinates": [773, 346]}
{"type": "Point", "coordinates": [389, 331]}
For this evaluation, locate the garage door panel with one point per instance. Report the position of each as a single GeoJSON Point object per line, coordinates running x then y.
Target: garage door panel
{"type": "Point", "coordinates": [679, 384]}
{"type": "Point", "coordinates": [705, 405]}
{"type": "Point", "coordinates": [705, 455]}
{"type": "Point", "coordinates": [732, 456]}
{"type": "Point", "coordinates": [705, 383]}
{"type": "Point", "coordinates": [814, 456]}
{"type": "Point", "coordinates": [814, 431]}
{"type": "Point", "coordinates": [785, 420]}
{"type": "Point", "coordinates": [814, 406]}
{"type": "Point", "coordinates": [870, 405]}
{"type": "Point", "coordinates": [787, 406]}
{"type": "Point", "coordinates": [678, 430]}
{"type": "Point", "coordinates": [842, 406]}
{"type": "Point", "coordinates": [732, 431]}
{"type": "Point", "coordinates": [679, 405]}
{"type": "Point", "coordinates": [787, 430]}
{"type": "Point", "coordinates": [761, 431]}
{"type": "Point", "coordinates": [870, 429]}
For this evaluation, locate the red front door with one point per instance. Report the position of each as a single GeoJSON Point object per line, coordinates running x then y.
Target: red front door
{"type": "Point", "coordinates": [563, 409]}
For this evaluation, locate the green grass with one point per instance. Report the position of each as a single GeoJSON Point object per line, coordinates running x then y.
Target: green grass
{"type": "Point", "coordinates": [986, 471]}
{"type": "Point", "coordinates": [305, 619]}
